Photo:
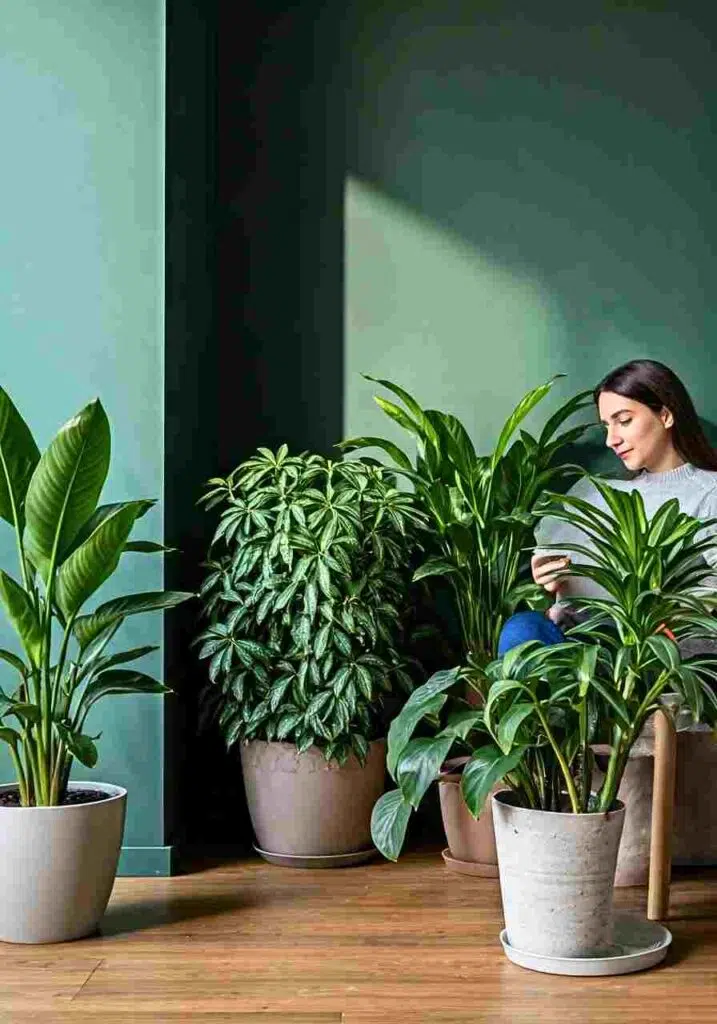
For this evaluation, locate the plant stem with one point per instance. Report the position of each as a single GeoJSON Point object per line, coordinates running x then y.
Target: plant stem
{"type": "Point", "coordinates": [569, 782]}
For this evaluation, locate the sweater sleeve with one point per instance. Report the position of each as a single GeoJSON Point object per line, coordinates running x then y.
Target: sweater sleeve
{"type": "Point", "coordinates": [551, 531]}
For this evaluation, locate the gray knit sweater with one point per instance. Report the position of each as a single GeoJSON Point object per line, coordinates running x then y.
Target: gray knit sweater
{"type": "Point", "coordinates": [695, 489]}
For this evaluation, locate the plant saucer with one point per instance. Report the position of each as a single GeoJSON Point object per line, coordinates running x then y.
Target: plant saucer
{"type": "Point", "coordinates": [637, 945]}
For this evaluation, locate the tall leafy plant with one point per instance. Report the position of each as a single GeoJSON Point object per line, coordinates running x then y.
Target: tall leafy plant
{"type": "Point", "coordinates": [305, 598]}
{"type": "Point", "coordinates": [658, 595]}
{"type": "Point", "coordinates": [480, 507]}
{"type": "Point", "coordinates": [67, 546]}
{"type": "Point", "coordinates": [546, 705]}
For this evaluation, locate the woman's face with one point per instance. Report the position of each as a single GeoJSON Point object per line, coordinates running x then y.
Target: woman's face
{"type": "Point", "coordinates": [641, 438]}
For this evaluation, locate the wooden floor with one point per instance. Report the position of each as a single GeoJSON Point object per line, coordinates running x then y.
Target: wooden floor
{"type": "Point", "coordinates": [378, 944]}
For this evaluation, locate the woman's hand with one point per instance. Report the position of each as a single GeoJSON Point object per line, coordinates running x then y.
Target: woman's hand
{"type": "Point", "coordinates": [545, 569]}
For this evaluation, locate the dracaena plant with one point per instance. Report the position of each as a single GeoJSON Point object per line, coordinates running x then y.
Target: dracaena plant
{"type": "Point", "coordinates": [546, 705]}
{"type": "Point", "coordinates": [67, 546]}
{"type": "Point", "coordinates": [306, 592]}
{"type": "Point", "coordinates": [480, 507]}
{"type": "Point", "coordinates": [658, 600]}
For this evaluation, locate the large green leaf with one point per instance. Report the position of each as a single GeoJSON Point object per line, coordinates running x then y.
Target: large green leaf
{"type": "Point", "coordinates": [353, 444]}
{"type": "Point", "coordinates": [104, 512]}
{"type": "Point", "coordinates": [96, 558]}
{"type": "Point", "coordinates": [66, 486]}
{"type": "Point", "coordinates": [420, 764]}
{"type": "Point", "coordinates": [487, 766]}
{"type": "Point", "coordinates": [23, 618]}
{"type": "Point", "coordinates": [80, 746]}
{"type": "Point", "coordinates": [425, 700]}
{"type": "Point", "coordinates": [18, 457]}
{"type": "Point", "coordinates": [118, 681]}
{"type": "Point", "coordinates": [389, 821]}
{"type": "Point", "coordinates": [524, 406]}
{"type": "Point", "coordinates": [87, 627]}
{"type": "Point", "coordinates": [576, 404]}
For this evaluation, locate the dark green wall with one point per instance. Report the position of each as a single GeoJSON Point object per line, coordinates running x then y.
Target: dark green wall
{"type": "Point", "coordinates": [530, 190]}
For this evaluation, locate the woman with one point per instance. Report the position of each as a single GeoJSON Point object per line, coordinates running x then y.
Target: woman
{"type": "Point", "coordinates": [652, 426]}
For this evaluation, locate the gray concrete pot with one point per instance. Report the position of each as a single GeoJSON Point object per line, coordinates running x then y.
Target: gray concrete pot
{"type": "Point", "coordinates": [556, 877]}
{"type": "Point", "coordinates": [302, 807]}
{"type": "Point", "coordinates": [58, 866]}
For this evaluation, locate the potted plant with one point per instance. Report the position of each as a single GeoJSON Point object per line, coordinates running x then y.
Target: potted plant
{"type": "Point", "coordinates": [60, 840]}
{"type": "Point", "coordinates": [557, 837]}
{"type": "Point", "coordinates": [306, 592]}
{"type": "Point", "coordinates": [480, 512]}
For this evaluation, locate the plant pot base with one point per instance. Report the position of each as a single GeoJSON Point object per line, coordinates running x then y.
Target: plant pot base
{"type": "Point", "coordinates": [637, 945]}
{"type": "Point", "coordinates": [330, 860]}
{"type": "Point", "coordinates": [469, 867]}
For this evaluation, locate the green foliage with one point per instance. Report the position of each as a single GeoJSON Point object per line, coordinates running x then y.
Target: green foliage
{"type": "Point", "coordinates": [306, 598]}
{"type": "Point", "coordinates": [546, 705]}
{"type": "Point", "coordinates": [659, 595]}
{"type": "Point", "coordinates": [67, 547]}
{"type": "Point", "coordinates": [480, 507]}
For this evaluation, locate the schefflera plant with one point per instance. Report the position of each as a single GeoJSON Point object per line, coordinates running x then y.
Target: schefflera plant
{"type": "Point", "coordinates": [67, 547]}
{"type": "Point", "coordinates": [306, 596]}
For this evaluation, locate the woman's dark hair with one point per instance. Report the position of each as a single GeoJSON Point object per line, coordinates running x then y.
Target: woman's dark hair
{"type": "Point", "coordinates": [656, 386]}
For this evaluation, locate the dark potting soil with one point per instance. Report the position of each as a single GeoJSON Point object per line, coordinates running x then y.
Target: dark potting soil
{"type": "Point", "coordinates": [11, 797]}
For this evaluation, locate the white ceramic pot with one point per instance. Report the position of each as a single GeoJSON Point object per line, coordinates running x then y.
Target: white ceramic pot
{"type": "Point", "coordinates": [58, 866]}
{"type": "Point", "coordinates": [557, 876]}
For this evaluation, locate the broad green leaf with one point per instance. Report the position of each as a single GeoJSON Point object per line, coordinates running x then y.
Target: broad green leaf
{"type": "Point", "coordinates": [95, 559]}
{"type": "Point", "coordinates": [23, 618]}
{"type": "Point", "coordinates": [148, 547]}
{"type": "Point", "coordinates": [526, 404]}
{"type": "Point", "coordinates": [103, 512]}
{"type": "Point", "coordinates": [574, 405]}
{"type": "Point", "coordinates": [123, 657]}
{"type": "Point", "coordinates": [80, 746]}
{"type": "Point", "coordinates": [461, 723]}
{"type": "Point", "coordinates": [419, 765]}
{"type": "Point", "coordinates": [119, 681]}
{"type": "Point", "coordinates": [87, 627]}
{"type": "Point", "coordinates": [509, 724]}
{"type": "Point", "coordinates": [18, 457]}
{"type": "Point", "coordinates": [487, 766]}
{"type": "Point", "coordinates": [357, 443]}
{"type": "Point", "coordinates": [17, 663]}
{"type": "Point", "coordinates": [665, 650]}
{"type": "Point", "coordinates": [434, 567]}
{"type": "Point", "coordinates": [10, 736]}
{"type": "Point", "coordinates": [66, 486]}
{"type": "Point", "coordinates": [425, 700]}
{"type": "Point", "coordinates": [389, 821]}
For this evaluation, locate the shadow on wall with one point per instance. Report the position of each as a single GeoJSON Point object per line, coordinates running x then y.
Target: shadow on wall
{"type": "Point", "coordinates": [570, 149]}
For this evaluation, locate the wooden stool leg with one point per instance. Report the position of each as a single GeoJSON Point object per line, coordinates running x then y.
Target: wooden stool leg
{"type": "Point", "coordinates": [663, 799]}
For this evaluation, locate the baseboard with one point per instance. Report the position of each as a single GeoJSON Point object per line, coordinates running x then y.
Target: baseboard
{"type": "Point", "coordinates": [146, 861]}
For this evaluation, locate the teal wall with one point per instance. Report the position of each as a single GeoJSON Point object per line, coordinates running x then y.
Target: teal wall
{"type": "Point", "coordinates": [82, 303]}
{"type": "Point", "coordinates": [529, 191]}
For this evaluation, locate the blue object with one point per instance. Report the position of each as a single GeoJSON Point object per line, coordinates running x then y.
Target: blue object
{"type": "Point", "coordinates": [524, 626]}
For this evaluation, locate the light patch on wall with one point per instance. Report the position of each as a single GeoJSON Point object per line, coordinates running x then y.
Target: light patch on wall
{"type": "Point", "coordinates": [430, 312]}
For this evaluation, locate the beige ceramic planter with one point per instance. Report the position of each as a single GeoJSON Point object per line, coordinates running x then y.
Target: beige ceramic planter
{"type": "Point", "coordinates": [303, 808]}
{"type": "Point", "coordinates": [471, 841]}
{"type": "Point", "coordinates": [58, 866]}
{"type": "Point", "coordinates": [556, 877]}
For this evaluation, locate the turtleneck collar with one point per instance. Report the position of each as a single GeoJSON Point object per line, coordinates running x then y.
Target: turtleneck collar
{"type": "Point", "coordinates": [671, 476]}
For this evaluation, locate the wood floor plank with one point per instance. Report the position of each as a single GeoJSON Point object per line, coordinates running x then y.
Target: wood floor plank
{"type": "Point", "coordinates": [377, 944]}
{"type": "Point", "coordinates": [32, 976]}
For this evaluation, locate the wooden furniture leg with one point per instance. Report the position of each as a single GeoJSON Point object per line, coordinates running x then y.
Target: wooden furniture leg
{"type": "Point", "coordinates": [663, 798]}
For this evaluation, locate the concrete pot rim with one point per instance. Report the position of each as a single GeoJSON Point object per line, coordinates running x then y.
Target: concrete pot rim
{"type": "Point", "coordinates": [507, 796]}
{"type": "Point", "coordinates": [114, 792]}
